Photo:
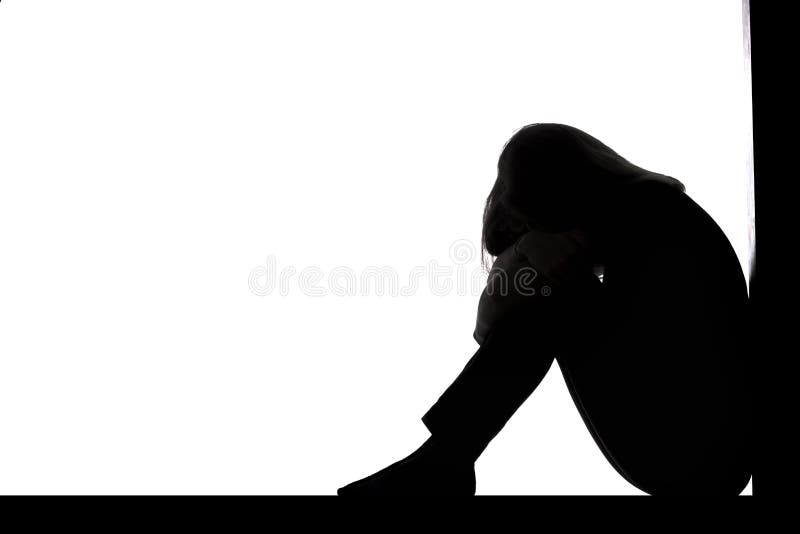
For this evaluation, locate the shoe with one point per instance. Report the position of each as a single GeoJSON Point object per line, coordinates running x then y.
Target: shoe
{"type": "Point", "coordinates": [429, 471]}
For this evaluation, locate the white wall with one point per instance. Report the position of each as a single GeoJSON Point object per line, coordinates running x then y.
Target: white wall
{"type": "Point", "coordinates": [153, 154]}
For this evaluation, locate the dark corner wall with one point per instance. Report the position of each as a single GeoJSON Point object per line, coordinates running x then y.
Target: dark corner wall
{"type": "Point", "coordinates": [771, 288]}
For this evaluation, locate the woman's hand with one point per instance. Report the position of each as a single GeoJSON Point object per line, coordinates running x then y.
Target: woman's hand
{"type": "Point", "coordinates": [537, 265]}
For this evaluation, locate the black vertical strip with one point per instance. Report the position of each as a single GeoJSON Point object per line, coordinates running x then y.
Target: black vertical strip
{"type": "Point", "coordinates": [771, 288]}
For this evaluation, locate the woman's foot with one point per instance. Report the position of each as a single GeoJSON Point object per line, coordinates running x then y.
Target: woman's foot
{"type": "Point", "coordinates": [433, 469]}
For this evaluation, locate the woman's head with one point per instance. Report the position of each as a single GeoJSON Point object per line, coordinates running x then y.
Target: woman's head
{"type": "Point", "coordinates": [555, 177]}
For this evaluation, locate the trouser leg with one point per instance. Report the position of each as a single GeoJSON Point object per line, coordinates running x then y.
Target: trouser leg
{"type": "Point", "coordinates": [513, 359]}
{"type": "Point", "coordinates": [499, 377]}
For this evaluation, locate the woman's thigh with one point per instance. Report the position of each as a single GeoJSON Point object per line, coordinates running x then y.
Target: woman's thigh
{"type": "Point", "coordinates": [665, 396]}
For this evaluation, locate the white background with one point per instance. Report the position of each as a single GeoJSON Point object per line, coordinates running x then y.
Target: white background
{"type": "Point", "coordinates": [154, 153]}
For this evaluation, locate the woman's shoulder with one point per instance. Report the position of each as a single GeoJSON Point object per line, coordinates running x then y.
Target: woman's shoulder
{"type": "Point", "coordinates": [665, 229]}
{"type": "Point", "coordinates": [652, 207]}
{"type": "Point", "coordinates": [652, 194]}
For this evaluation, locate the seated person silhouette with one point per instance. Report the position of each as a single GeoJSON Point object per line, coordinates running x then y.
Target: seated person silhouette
{"type": "Point", "coordinates": [655, 355]}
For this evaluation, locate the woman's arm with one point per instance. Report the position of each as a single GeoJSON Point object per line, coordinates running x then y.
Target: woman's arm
{"type": "Point", "coordinates": [533, 271]}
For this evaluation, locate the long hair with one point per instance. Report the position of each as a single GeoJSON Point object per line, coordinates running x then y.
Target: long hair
{"type": "Point", "coordinates": [554, 177]}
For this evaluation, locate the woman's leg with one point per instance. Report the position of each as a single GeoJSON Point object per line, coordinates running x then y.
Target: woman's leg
{"type": "Point", "coordinates": [663, 389]}
{"type": "Point", "coordinates": [513, 359]}
{"type": "Point", "coordinates": [662, 383]}
{"type": "Point", "coordinates": [507, 367]}
{"type": "Point", "coordinates": [668, 430]}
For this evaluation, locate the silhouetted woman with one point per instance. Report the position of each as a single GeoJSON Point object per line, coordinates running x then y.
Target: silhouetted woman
{"type": "Point", "coordinates": [617, 273]}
